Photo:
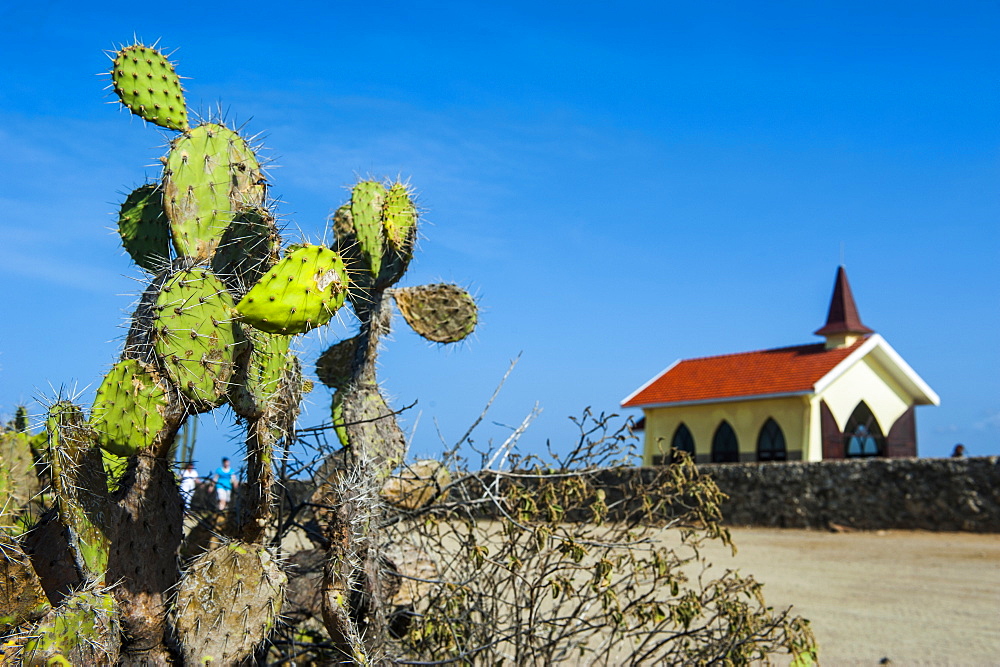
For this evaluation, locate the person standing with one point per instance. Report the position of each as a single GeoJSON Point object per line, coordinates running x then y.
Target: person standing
{"type": "Point", "coordinates": [225, 481]}
{"type": "Point", "coordinates": [189, 480]}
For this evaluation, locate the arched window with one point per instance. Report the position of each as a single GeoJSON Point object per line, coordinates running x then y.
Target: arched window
{"type": "Point", "coordinates": [771, 442]}
{"type": "Point", "coordinates": [725, 448]}
{"type": "Point", "coordinates": [683, 441]}
{"type": "Point", "coordinates": [863, 436]}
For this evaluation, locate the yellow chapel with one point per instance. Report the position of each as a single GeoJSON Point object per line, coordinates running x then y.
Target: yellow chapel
{"type": "Point", "coordinates": [851, 396]}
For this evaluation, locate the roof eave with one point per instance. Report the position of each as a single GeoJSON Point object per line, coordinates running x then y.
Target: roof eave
{"type": "Point", "coordinates": [727, 399]}
{"type": "Point", "coordinates": [920, 390]}
{"type": "Point", "coordinates": [624, 402]}
{"type": "Point", "coordinates": [897, 368]}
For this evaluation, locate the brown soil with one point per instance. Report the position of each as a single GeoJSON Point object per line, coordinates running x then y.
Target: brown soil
{"type": "Point", "coordinates": [914, 598]}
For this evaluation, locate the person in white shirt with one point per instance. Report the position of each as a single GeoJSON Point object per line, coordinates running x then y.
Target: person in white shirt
{"type": "Point", "coordinates": [189, 480]}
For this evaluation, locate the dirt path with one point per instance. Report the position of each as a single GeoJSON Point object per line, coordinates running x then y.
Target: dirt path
{"type": "Point", "coordinates": [916, 598]}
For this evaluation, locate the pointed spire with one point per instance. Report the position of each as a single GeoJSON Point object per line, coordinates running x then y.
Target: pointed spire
{"type": "Point", "coordinates": [843, 318]}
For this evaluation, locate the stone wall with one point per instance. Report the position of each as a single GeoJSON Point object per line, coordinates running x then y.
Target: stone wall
{"type": "Point", "coordinates": [865, 494]}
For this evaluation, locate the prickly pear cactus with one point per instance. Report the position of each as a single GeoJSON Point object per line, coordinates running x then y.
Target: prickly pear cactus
{"type": "Point", "coordinates": [212, 328]}
{"type": "Point", "coordinates": [196, 335]}
{"type": "Point", "coordinates": [79, 482]}
{"type": "Point", "coordinates": [19, 483]}
{"type": "Point", "coordinates": [249, 247]}
{"type": "Point", "coordinates": [205, 233]}
{"type": "Point", "coordinates": [375, 234]}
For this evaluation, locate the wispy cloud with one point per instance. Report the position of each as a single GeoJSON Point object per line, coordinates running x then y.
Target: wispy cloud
{"type": "Point", "coordinates": [990, 423]}
{"type": "Point", "coordinates": [59, 271]}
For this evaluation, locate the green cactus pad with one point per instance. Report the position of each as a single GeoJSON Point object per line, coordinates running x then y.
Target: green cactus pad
{"type": "Point", "coordinates": [22, 598]}
{"type": "Point", "coordinates": [259, 378]}
{"type": "Point", "coordinates": [227, 603]}
{"type": "Point", "coordinates": [114, 469]}
{"type": "Point", "coordinates": [196, 336]}
{"type": "Point", "coordinates": [130, 408]}
{"type": "Point", "coordinates": [346, 245]}
{"type": "Point", "coordinates": [335, 367]}
{"type": "Point", "coordinates": [367, 201]}
{"type": "Point", "coordinates": [144, 228]}
{"type": "Point", "coordinates": [337, 418]}
{"type": "Point", "coordinates": [18, 481]}
{"type": "Point", "coordinates": [442, 313]}
{"type": "Point", "coordinates": [372, 428]}
{"type": "Point", "coordinates": [283, 405]}
{"type": "Point", "coordinates": [399, 216]}
{"type": "Point", "coordinates": [67, 437]}
{"type": "Point", "coordinates": [297, 294]}
{"type": "Point", "coordinates": [78, 478]}
{"type": "Point", "coordinates": [147, 84]}
{"type": "Point", "coordinates": [249, 247]}
{"type": "Point", "coordinates": [211, 174]}
{"type": "Point", "coordinates": [83, 630]}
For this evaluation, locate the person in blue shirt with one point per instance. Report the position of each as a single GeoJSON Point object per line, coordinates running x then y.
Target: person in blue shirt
{"type": "Point", "coordinates": [225, 481]}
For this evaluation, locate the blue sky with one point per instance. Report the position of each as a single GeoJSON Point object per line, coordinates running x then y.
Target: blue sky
{"type": "Point", "coordinates": [621, 186]}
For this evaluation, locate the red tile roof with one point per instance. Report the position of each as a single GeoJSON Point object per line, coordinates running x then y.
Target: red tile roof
{"type": "Point", "coordinates": [780, 371]}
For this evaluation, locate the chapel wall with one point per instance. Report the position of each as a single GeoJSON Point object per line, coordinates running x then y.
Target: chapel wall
{"type": "Point", "coordinates": [745, 417]}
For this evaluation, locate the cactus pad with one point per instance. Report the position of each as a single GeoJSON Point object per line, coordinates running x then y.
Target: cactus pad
{"type": "Point", "coordinates": [77, 472]}
{"type": "Point", "coordinates": [297, 294]}
{"type": "Point", "coordinates": [18, 480]}
{"type": "Point", "coordinates": [367, 201]}
{"type": "Point", "coordinates": [259, 378]}
{"type": "Point", "coordinates": [371, 428]}
{"type": "Point", "coordinates": [399, 216]}
{"type": "Point", "coordinates": [211, 174]}
{"type": "Point", "coordinates": [337, 418]}
{"type": "Point", "coordinates": [442, 313]}
{"type": "Point", "coordinates": [249, 247]}
{"type": "Point", "coordinates": [227, 603]}
{"type": "Point", "coordinates": [22, 598]}
{"type": "Point", "coordinates": [130, 408]}
{"type": "Point", "coordinates": [83, 630]}
{"type": "Point", "coordinates": [196, 336]}
{"type": "Point", "coordinates": [334, 367]}
{"type": "Point", "coordinates": [147, 84]}
{"type": "Point", "coordinates": [144, 228]}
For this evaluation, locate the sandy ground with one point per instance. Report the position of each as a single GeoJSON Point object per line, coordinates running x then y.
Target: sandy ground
{"type": "Point", "coordinates": [914, 598]}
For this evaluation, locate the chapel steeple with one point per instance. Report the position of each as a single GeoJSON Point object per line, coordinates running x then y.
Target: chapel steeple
{"type": "Point", "coordinates": [843, 324]}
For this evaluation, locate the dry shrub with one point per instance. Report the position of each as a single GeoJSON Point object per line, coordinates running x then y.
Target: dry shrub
{"type": "Point", "coordinates": [576, 558]}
